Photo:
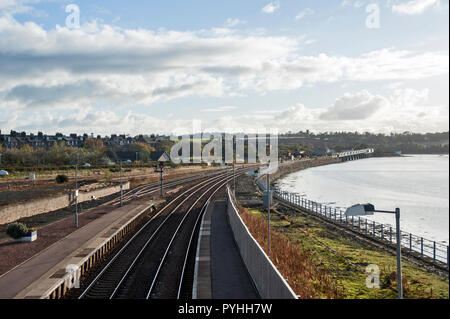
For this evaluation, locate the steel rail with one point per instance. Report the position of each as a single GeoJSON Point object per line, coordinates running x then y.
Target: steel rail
{"type": "Point", "coordinates": [198, 187]}
{"type": "Point", "coordinates": [144, 247]}
{"type": "Point", "coordinates": [222, 183]}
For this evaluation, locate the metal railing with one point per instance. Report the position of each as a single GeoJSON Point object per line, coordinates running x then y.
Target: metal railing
{"type": "Point", "coordinates": [413, 244]}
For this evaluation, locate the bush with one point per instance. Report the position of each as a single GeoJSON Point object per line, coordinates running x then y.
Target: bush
{"type": "Point", "coordinates": [17, 230]}
{"type": "Point", "coordinates": [62, 179]}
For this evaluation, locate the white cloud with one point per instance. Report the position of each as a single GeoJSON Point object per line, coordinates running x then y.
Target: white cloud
{"type": "Point", "coordinates": [305, 12]}
{"type": "Point", "coordinates": [359, 106]}
{"type": "Point", "coordinates": [221, 109]}
{"type": "Point", "coordinates": [404, 110]}
{"type": "Point", "coordinates": [414, 6]}
{"type": "Point", "coordinates": [271, 7]}
{"type": "Point", "coordinates": [355, 4]}
{"type": "Point", "coordinates": [42, 70]}
{"type": "Point", "coordinates": [230, 23]}
{"type": "Point", "coordinates": [68, 68]}
{"type": "Point", "coordinates": [409, 7]}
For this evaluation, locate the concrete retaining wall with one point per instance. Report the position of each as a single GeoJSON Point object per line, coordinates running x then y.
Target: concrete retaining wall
{"type": "Point", "coordinates": [11, 213]}
{"type": "Point", "coordinates": [269, 282]}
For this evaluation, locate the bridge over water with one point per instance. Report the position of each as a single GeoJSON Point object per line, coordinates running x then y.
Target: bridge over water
{"type": "Point", "coordinates": [354, 155]}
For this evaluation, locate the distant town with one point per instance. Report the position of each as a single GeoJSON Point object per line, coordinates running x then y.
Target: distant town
{"type": "Point", "coordinates": [18, 139]}
{"type": "Point", "coordinates": [30, 149]}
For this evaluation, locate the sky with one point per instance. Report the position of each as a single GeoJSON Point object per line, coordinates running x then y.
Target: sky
{"type": "Point", "coordinates": [143, 67]}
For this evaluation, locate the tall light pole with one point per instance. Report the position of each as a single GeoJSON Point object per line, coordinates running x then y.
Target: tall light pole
{"type": "Point", "coordinates": [268, 211]}
{"type": "Point", "coordinates": [121, 187]}
{"type": "Point", "coordinates": [226, 165]}
{"type": "Point", "coordinates": [76, 191]}
{"type": "Point", "coordinates": [369, 209]}
{"type": "Point", "coordinates": [234, 182]}
{"type": "Point", "coordinates": [399, 254]}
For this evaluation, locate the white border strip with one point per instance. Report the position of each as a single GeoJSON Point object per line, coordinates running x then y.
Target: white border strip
{"type": "Point", "coordinates": [197, 254]}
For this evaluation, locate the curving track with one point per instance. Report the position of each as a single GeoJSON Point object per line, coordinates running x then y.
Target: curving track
{"type": "Point", "coordinates": [157, 261]}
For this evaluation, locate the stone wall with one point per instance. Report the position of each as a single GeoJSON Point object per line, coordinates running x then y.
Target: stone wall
{"type": "Point", "coordinates": [11, 213]}
{"type": "Point", "coordinates": [290, 167]}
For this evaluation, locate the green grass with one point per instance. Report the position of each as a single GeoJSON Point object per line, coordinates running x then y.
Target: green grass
{"type": "Point", "coordinates": [346, 260]}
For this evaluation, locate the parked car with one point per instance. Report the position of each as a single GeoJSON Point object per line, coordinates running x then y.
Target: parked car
{"type": "Point", "coordinates": [86, 165]}
{"type": "Point", "coordinates": [3, 173]}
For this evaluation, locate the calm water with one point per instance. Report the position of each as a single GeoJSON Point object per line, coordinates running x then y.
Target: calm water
{"type": "Point", "coordinates": [417, 184]}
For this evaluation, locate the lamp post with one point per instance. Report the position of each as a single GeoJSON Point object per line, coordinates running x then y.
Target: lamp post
{"type": "Point", "coordinates": [234, 182]}
{"type": "Point", "coordinates": [268, 211]}
{"type": "Point", "coordinates": [76, 190]}
{"type": "Point", "coordinates": [369, 209]}
{"type": "Point", "coordinates": [121, 187]}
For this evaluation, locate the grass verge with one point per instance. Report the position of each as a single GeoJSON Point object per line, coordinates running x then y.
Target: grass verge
{"type": "Point", "coordinates": [336, 260]}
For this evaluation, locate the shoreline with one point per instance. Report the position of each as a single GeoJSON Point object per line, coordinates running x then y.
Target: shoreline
{"type": "Point", "coordinates": [324, 196]}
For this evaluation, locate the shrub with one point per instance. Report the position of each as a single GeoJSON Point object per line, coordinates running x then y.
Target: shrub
{"type": "Point", "coordinates": [62, 179]}
{"type": "Point", "coordinates": [107, 177]}
{"type": "Point", "coordinates": [17, 230]}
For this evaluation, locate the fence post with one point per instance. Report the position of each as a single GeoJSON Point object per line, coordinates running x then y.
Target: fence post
{"type": "Point", "coordinates": [448, 257]}
{"type": "Point", "coordinates": [390, 235]}
{"type": "Point", "coordinates": [434, 252]}
{"type": "Point", "coordinates": [367, 228]}
{"type": "Point", "coordinates": [374, 229]}
{"type": "Point", "coordinates": [352, 222]}
{"type": "Point", "coordinates": [410, 243]}
{"type": "Point", "coordinates": [421, 247]}
{"type": "Point", "coordinates": [359, 223]}
{"type": "Point", "coordinates": [382, 232]}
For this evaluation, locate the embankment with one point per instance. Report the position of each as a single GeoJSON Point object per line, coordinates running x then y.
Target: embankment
{"type": "Point", "coordinates": [13, 212]}
{"type": "Point", "coordinates": [290, 167]}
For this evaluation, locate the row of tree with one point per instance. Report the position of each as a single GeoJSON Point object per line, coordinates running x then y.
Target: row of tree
{"type": "Point", "coordinates": [93, 152]}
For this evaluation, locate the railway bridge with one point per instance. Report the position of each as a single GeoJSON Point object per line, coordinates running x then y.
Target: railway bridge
{"type": "Point", "coordinates": [354, 155]}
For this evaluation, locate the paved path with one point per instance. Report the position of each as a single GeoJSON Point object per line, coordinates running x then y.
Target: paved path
{"type": "Point", "coordinates": [229, 276]}
{"type": "Point", "coordinates": [15, 281]}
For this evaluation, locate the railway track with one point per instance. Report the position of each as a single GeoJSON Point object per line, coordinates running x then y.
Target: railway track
{"type": "Point", "coordinates": [147, 189]}
{"type": "Point", "coordinates": [155, 262]}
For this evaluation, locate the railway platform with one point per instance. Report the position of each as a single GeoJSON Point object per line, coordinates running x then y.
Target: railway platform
{"type": "Point", "coordinates": [220, 272]}
{"type": "Point", "coordinates": [45, 275]}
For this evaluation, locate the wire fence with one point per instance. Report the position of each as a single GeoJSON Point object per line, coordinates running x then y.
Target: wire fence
{"type": "Point", "coordinates": [413, 244]}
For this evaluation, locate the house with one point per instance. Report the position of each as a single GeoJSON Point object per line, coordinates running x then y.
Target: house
{"type": "Point", "coordinates": [160, 157]}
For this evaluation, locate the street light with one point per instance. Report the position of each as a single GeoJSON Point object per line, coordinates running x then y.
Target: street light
{"type": "Point", "coordinates": [121, 186]}
{"type": "Point", "coordinates": [369, 209]}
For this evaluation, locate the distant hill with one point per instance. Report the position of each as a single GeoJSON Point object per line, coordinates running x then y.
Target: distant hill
{"type": "Point", "coordinates": [407, 143]}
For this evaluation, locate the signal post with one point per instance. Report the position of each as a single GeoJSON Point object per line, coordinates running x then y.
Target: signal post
{"type": "Point", "coordinates": [160, 170]}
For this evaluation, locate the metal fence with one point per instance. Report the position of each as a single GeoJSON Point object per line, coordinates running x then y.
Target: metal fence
{"type": "Point", "coordinates": [420, 246]}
